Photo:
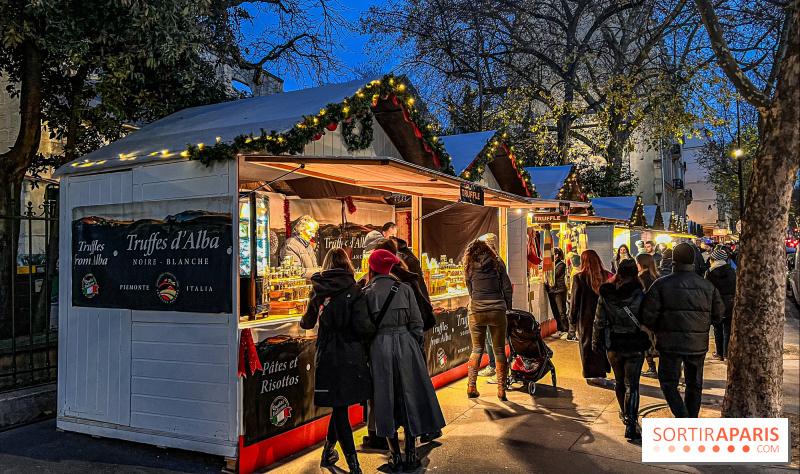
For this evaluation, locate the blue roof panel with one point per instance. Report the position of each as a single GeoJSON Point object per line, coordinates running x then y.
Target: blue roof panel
{"type": "Point", "coordinates": [465, 147]}
{"type": "Point", "coordinates": [614, 207]}
{"type": "Point", "coordinates": [549, 179]}
{"type": "Point", "coordinates": [650, 214]}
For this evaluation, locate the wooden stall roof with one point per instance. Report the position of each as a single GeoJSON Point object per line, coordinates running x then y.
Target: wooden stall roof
{"type": "Point", "coordinates": [386, 174]}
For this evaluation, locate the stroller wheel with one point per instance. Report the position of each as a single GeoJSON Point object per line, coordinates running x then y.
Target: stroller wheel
{"type": "Point", "coordinates": [532, 387]}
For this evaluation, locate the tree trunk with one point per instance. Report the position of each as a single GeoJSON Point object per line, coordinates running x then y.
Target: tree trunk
{"type": "Point", "coordinates": [564, 125]}
{"type": "Point", "coordinates": [755, 365]}
{"type": "Point", "coordinates": [13, 165]}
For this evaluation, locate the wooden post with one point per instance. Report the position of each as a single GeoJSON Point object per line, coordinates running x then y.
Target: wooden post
{"type": "Point", "coordinates": [416, 226]}
{"type": "Point", "coordinates": [502, 238]}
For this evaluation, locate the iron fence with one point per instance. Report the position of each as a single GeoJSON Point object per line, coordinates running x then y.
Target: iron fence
{"type": "Point", "coordinates": [29, 299]}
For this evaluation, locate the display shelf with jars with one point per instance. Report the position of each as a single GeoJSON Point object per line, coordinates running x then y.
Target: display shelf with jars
{"type": "Point", "coordinates": [444, 278]}
{"type": "Point", "coordinates": [288, 291]}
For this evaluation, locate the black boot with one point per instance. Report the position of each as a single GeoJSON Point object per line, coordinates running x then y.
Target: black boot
{"type": "Point", "coordinates": [329, 454]}
{"type": "Point", "coordinates": [352, 463]}
{"type": "Point", "coordinates": [632, 429]}
{"type": "Point", "coordinates": [412, 463]}
{"type": "Point", "coordinates": [373, 441]}
{"type": "Point", "coordinates": [396, 457]}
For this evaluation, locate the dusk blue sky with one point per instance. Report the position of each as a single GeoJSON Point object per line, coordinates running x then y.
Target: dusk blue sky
{"type": "Point", "coordinates": [351, 41]}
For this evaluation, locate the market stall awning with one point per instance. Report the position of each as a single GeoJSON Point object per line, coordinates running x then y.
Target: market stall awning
{"type": "Point", "coordinates": [280, 116]}
{"type": "Point", "coordinates": [464, 148]}
{"type": "Point", "coordinates": [654, 217]}
{"type": "Point", "coordinates": [628, 208]}
{"type": "Point", "coordinates": [476, 155]}
{"type": "Point", "coordinates": [383, 173]}
{"type": "Point", "coordinates": [549, 180]}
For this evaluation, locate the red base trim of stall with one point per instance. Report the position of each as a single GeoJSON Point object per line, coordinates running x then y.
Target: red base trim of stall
{"type": "Point", "coordinates": [264, 453]}
{"type": "Point", "coordinates": [278, 447]}
{"type": "Point", "coordinates": [548, 327]}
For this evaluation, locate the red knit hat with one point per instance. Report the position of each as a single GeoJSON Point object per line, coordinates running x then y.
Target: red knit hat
{"type": "Point", "coordinates": [382, 261]}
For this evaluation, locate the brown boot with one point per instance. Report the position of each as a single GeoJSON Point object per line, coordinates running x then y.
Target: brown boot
{"type": "Point", "coordinates": [502, 380]}
{"type": "Point", "coordinates": [472, 378]}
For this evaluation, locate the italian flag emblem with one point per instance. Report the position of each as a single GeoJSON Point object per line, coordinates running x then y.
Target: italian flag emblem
{"type": "Point", "coordinates": [280, 411]}
{"type": "Point", "coordinates": [92, 290]}
{"type": "Point", "coordinates": [282, 416]}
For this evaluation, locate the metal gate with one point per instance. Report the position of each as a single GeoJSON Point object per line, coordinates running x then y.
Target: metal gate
{"type": "Point", "coordinates": [29, 303]}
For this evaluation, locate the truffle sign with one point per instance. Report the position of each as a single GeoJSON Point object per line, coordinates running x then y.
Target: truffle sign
{"type": "Point", "coordinates": [181, 263]}
{"type": "Point", "coordinates": [472, 194]}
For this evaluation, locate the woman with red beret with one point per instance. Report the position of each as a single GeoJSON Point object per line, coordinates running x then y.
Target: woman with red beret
{"type": "Point", "coordinates": [403, 392]}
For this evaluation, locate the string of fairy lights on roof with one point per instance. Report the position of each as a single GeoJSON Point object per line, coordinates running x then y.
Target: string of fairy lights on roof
{"type": "Point", "coordinates": [353, 114]}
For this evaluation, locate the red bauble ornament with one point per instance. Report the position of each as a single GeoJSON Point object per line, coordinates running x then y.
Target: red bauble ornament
{"type": "Point", "coordinates": [317, 137]}
{"type": "Point", "coordinates": [332, 126]}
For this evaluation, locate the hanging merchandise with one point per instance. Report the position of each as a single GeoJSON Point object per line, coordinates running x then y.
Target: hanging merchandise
{"type": "Point", "coordinates": [287, 218]}
{"type": "Point", "coordinates": [533, 248]}
{"type": "Point", "coordinates": [248, 356]}
{"type": "Point", "coordinates": [547, 250]}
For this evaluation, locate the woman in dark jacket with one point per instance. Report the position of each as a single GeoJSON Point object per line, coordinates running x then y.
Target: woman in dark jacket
{"type": "Point", "coordinates": [665, 267]}
{"type": "Point", "coordinates": [490, 292]}
{"type": "Point", "coordinates": [617, 327]}
{"type": "Point", "coordinates": [342, 375]}
{"type": "Point", "coordinates": [403, 394]}
{"type": "Point", "coordinates": [582, 310]}
{"type": "Point", "coordinates": [557, 294]}
{"type": "Point", "coordinates": [648, 273]}
{"type": "Point", "coordinates": [623, 253]}
{"type": "Point", "coordinates": [723, 276]}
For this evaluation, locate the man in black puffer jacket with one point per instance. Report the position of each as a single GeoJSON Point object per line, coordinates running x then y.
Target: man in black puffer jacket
{"type": "Point", "coordinates": [680, 309]}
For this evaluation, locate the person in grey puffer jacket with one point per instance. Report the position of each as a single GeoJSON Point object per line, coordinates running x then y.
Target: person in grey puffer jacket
{"type": "Point", "coordinates": [403, 392]}
{"type": "Point", "coordinates": [680, 309]}
{"type": "Point", "coordinates": [491, 295]}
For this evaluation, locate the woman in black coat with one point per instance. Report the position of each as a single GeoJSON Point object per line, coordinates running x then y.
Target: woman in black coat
{"type": "Point", "coordinates": [618, 328]}
{"type": "Point", "coordinates": [342, 375]}
{"type": "Point", "coordinates": [404, 395]}
{"type": "Point", "coordinates": [582, 310]}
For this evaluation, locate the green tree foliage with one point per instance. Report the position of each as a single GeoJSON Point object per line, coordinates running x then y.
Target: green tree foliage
{"type": "Point", "coordinates": [718, 158]}
{"type": "Point", "coordinates": [598, 180]}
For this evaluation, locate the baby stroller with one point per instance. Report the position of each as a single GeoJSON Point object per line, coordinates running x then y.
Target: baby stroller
{"type": "Point", "coordinates": [530, 356]}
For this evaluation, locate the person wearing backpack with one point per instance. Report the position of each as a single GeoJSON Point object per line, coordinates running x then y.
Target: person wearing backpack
{"type": "Point", "coordinates": [403, 393]}
{"type": "Point", "coordinates": [617, 326]}
{"type": "Point", "coordinates": [342, 375]}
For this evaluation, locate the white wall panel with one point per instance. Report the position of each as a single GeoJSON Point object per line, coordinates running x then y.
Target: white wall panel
{"type": "Point", "coordinates": [181, 180]}
{"type": "Point", "coordinates": [158, 374]}
{"type": "Point", "coordinates": [332, 144]}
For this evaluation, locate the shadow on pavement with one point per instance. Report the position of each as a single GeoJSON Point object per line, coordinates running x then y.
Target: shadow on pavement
{"type": "Point", "coordinates": [40, 448]}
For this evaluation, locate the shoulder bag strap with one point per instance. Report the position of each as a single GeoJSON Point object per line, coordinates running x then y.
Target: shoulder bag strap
{"type": "Point", "coordinates": [633, 318]}
{"type": "Point", "coordinates": [386, 304]}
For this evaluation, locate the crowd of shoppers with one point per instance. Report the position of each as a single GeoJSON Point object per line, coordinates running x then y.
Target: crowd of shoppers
{"type": "Point", "coordinates": [660, 304]}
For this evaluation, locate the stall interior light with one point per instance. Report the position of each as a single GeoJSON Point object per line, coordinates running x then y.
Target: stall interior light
{"type": "Point", "coordinates": [519, 211]}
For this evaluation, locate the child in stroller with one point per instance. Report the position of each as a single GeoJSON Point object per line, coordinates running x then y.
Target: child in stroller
{"type": "Point", "coordinates": [530, 358]}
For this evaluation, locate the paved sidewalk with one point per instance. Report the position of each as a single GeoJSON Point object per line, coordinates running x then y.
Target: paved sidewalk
{"type": "Point", "coordinates": [574, 428]}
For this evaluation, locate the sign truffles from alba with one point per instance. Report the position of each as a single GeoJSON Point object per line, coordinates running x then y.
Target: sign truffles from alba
{"type": "Point", "coordinates": [182, 263]}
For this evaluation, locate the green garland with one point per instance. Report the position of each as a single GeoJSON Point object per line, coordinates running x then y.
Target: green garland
{"type": "Point", "coordinates": [499, 140]}
{"type": "Point", "coordinates": [352, 111]}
